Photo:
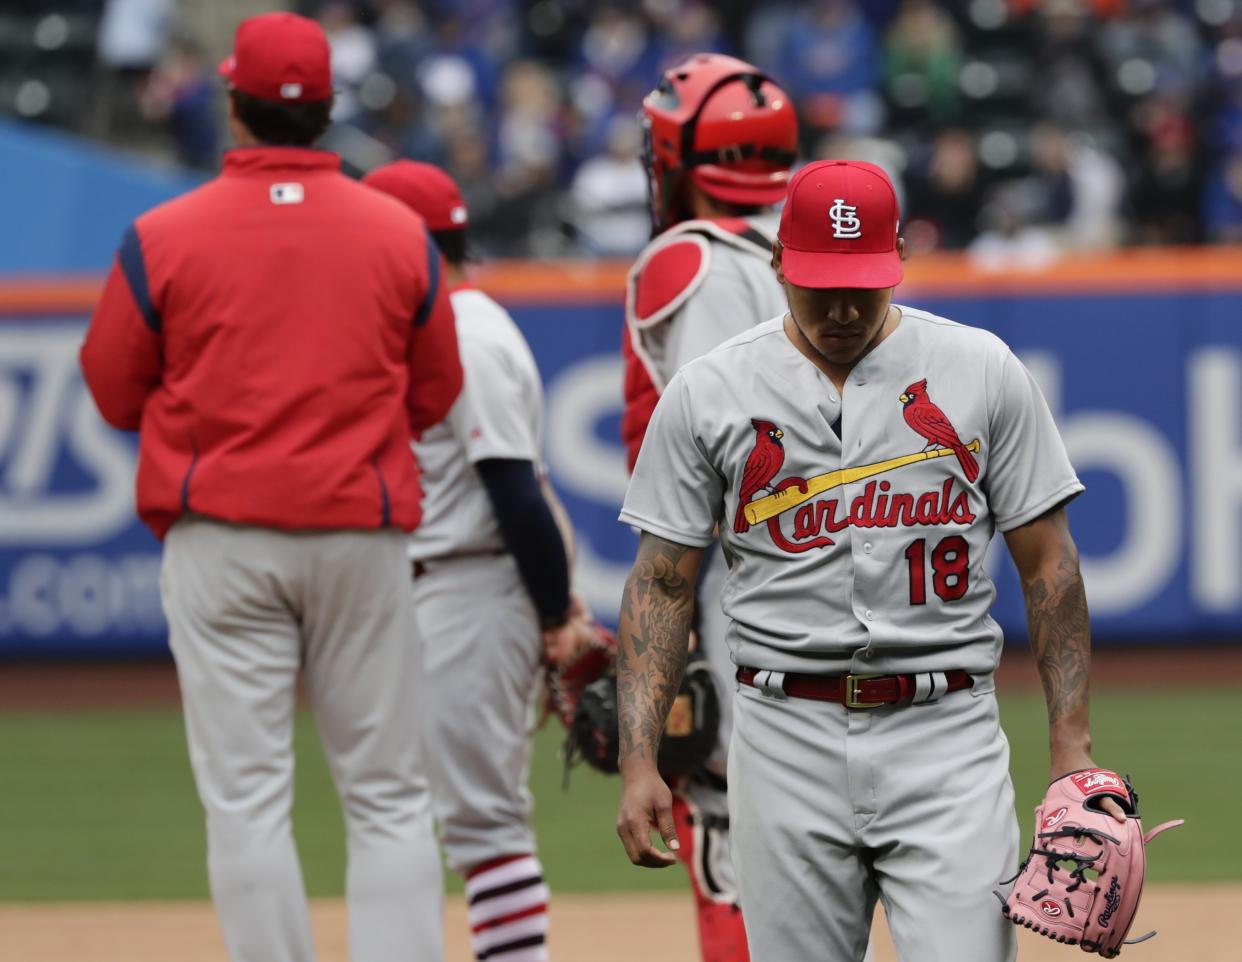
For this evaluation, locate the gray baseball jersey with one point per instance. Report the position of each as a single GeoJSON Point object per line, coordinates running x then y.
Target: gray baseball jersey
{"type": "Point", "coordinates": [499, 414]}
{"type": "Point", "coordinates": [864, 551]}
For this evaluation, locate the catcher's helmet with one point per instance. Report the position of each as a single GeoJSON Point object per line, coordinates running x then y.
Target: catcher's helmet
{"type": "Point", "coordinates": [728, 128]}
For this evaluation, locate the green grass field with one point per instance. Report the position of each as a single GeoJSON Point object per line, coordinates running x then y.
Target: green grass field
{"type": "Point", "coordinates": [101, 805]}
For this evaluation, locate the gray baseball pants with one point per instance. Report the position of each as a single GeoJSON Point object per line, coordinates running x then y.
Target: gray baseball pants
{"type": "Point", "coordinates": [248, 608]}
{"type": "Point", "coordinates": [483, 655]}
{"type": "Point", "coordinates": [833, 808]}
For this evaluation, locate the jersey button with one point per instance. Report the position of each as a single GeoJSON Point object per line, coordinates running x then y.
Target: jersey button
{"type": "Point", "coordinates": [867, 547]}
{"type": "Point", "coordinates": [869, 614]}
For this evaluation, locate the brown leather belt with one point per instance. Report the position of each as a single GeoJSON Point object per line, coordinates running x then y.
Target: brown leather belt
{"type": "Point", "coordinates": [856, 691]}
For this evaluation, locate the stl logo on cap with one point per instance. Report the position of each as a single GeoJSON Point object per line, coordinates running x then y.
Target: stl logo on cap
{"type": "Point", "coordinates": [845, 222]}
{"type": "Point", "coordinates": [835, 251]}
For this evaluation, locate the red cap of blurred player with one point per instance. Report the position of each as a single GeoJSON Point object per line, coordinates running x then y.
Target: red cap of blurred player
{"type": "Point", "coordinates": [839, 227]}
{"type": "Point", "coordinates": [281, 57]}
{"type": "Point", "coordinates": [425, 189]}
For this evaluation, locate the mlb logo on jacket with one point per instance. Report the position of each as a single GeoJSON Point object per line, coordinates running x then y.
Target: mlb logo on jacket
{"type": "Point", "coordinates": [288, 193]}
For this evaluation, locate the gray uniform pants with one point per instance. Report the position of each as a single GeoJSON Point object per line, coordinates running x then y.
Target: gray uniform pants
{"type": "Point", "coordinates": [831, 808]}
{"type": "Point", "coordinates": [247, 608]}
{"type": "Point", "coordinates": [482, 652]}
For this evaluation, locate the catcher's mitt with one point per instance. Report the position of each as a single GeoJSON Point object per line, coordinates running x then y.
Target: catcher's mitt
{"type": "Point", "coordinates": [593, 731]}
{"type": "Point", "coordinates": [1082, 880]}
{"type": "Point", "coordinates": [568, 682]}
{"type": "Point", "coordinates": [693, 721]}
{"type": "Point", "coordinates": [689, 734]}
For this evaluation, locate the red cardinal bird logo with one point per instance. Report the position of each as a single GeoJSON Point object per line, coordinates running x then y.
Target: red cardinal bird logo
{"type": "Point", "coordinates": [765, 460]}
{"type": "Point", "coordinates": [928, 420]}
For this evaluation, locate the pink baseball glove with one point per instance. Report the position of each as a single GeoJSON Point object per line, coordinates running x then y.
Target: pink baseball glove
{"type": "Point", "coordinates": [1082, 880]}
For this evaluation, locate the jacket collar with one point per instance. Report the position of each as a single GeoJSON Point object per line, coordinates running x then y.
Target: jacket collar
{"type": "Point", "coordinates": [241, 161]}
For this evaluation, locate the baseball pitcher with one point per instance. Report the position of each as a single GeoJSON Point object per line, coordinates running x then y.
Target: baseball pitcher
{"type": "Point", "coordinates": [855, 457]}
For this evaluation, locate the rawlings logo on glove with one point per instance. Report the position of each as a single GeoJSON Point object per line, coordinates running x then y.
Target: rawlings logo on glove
{"type": "Point", "coordinates": [1112, 901]}
{"type": "Point", "coordinates": [1060, 890]}
{"type": "Point", "coordinates": [1096, 782]}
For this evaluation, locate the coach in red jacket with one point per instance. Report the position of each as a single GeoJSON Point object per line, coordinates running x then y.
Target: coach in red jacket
{"type": "Point", "coordinates": [277, 336]}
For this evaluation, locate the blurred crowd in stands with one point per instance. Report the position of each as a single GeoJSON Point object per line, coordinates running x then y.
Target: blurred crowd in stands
{"type": "Point", "coordinates": [1016, 129]}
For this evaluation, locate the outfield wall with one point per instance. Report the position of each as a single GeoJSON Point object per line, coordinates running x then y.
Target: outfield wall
{"type": "Point", "coordinates": [1140, 356]}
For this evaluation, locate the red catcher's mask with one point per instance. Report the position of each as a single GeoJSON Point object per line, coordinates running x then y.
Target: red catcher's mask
{"type": "Point", "coordinates": [721, 124]}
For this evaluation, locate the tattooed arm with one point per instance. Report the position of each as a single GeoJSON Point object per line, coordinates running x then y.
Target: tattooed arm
{"type": "Point", "coordinates": [1060, 630]}
{"type": "Point", "coordinates": [654, 633]}
{"type": "Point", "coordinates": [652, 640]}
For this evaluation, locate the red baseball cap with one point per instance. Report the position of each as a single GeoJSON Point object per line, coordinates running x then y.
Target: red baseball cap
{"type": "Point", "coordinates": [281, 57]}
{"type": "Point", "coordinates": [425, 189]}
{"type": "Point", "coordinates": [839, 227]}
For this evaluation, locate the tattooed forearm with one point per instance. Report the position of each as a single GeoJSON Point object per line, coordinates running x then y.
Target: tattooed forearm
{"type": "Point", "coordinates": [653, 635]}
{"type": "Point", "coordinates": [1056, 613]}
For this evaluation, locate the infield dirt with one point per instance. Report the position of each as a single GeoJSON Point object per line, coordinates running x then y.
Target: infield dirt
{"type": "Point", "coordinates": [615, 928]}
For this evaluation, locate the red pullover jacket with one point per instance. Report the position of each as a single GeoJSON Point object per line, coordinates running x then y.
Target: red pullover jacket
{"type": "Point", "coordinates": [276, 337]}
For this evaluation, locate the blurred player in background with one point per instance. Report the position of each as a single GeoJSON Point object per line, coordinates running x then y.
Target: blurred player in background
{"type": "Point", "coordinates": [720, 139]}
{"type": "Point", "coordinates": [491, 588]}
{"type": "Point", "coordinates": [277, 336]}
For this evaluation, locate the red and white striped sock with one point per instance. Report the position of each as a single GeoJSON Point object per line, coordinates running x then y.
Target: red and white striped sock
{"type": "Point", "coordinates": [508, 910]}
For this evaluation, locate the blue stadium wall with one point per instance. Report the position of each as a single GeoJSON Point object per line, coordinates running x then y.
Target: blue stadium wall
{"type": "Point", "coordinates": [65, 201]}
{"type": "Point", "coordinates": [1139, 354]}
{"type": "Point", "coordinates": [1146, 387]}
